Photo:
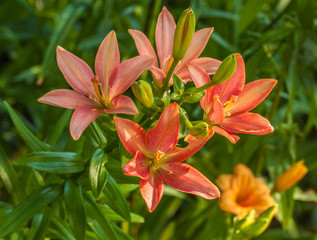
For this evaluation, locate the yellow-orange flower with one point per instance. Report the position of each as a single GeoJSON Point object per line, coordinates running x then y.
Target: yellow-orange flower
{"type": "Point", "coordinates": [290, 177]}
{"type": "Point", "coordinates": [242, 192]}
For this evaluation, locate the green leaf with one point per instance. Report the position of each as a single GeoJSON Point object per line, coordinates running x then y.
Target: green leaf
{"type": "Point", "coordinates": [65, 22]}
{"type": "Point", "coordinates": [113, 216]}
{"type": "Point", "coordinates": [29, 138]}
{"type": "Point", "coordinates": [95, 213]}
{"type": "Point", "coordinates": [64, 231]}
{"type": "Point", "coordinates": [56, 162]}
{"type": "Point", "coordinates": [10, 179]}
{"type": "Point", "coordinates": [75, 208]}
{"type": "Point", "coordinates": [115, 199]}
{"type": "Point", "coordinates": [39, 225]}
{"type": "Point", "coordinates": [33, 204]}
{"type": "Point", "coordinates": [249, 13]}
{"type": "Point", "coordinates": [98, 173]}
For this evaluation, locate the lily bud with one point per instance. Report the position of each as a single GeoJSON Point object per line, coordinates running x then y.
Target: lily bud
{"type": "Point", "coordinates": [225, 70]}
{"type": "Point", "coordinates": [143, 91]}
{"type": "Point", "coordinates": [191, 95]}
{"type": "Point", "coordinates": [184, 33]}
{"type": "Point", "coordinates": [200, 130]}
{"type": "Point", "coordinates": [290, 177]}
{"type": "Point", "coordinates": [260, 224]}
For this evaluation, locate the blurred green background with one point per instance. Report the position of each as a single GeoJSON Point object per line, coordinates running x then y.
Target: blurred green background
{"type": "Point", "coordinates": [277, 38]}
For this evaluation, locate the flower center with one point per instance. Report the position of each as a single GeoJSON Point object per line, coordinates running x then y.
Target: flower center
{"type": "Point", "coordinates": [155, 163]}
{"type": "Point", "coordinates": [228, 104]}
{"type": "Point", "coordinates": [100, 98]}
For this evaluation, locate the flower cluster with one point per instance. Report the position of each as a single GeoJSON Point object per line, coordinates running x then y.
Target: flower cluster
{"type": "Point", "coordinates": [226, 103]}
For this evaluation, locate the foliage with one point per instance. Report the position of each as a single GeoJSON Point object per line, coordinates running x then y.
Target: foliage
{"type": "Point", "coordinates": [47, 183]}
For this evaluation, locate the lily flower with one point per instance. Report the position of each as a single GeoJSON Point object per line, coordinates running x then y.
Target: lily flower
{"type": "Point", "coordinates": [94, 94]}
{"type": "Point", "coordinates": [164, 37]}
{"type": "Point", "coordinates": [157, 159]}
{"type": "Point", "coordinates": [227, 105]}
{"type": "Point", "coordinates": [242, 192]}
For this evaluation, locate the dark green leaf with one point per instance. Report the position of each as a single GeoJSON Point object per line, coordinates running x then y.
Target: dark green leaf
{"type": "Point", "coordinates": [57, 162]}
{"type": "Point", "coordinates": [33, 204]}
{"type": "Point", "coordinates": [95, 213]}
{"type": "Point", "coordinates": [75, 208]}
{"type": "Point", "coordinates": [98, 173]}
{"type": "Point", "coordinates": [29, 138]}
{"type": "Point", "coordinates": [64, 231]}
{"type": "Point", "coordinates": [10, 179]}
{"type": "Point", "coordinates": [39, 225]}
{"type": "Point", "coordinates": [116, 200]}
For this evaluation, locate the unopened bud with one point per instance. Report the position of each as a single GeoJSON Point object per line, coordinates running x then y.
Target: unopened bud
{"type": "Point", "coordinates": [143, 91]}
{"type": "Point", "coordinates": [200, 130]}
{"type": "Point", "coordinates": [290, 177]}
{"type": "Point", "coordinates": [184, 33]}
{"type": "Point", "coordinates": [260, 224]}
{"type": "Point", "coordinates": [225, 70]}
{"type": "Point", "coordinates": [191, 95]}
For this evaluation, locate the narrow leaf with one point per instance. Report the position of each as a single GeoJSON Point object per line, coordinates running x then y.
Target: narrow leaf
{"type": "Point", "coordinates": [98, 173]}
{"type": "Point", "coordinates": [39, 225]}
{"type": "Point", "coordinates": [33, 204]}
{"type": "Point", "coordinates": [64, 231]}
{"type": "Point", "coordinates": [95, 213]}
{"type": "Point", "coordinates": [75, 207]}
{"type": "Point", "coordinates": [116, 200]}
{"type": "Point", "coordinates": [29, 138]}
{"type": "Point", "coordinates": [10, 179]}
{"type": "Point", "coordinates": [56, 162]}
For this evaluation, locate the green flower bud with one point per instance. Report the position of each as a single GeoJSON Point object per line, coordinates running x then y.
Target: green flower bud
{"type": "Point", "coordinates": [143, 91]}
{"type": "Point", "coordinates": [175, 96]}
{"type": "Point", "coordinates": [260, 224]}
{"type": "Point", "coordinates": [184, 33]}
{"type": "Point", "coordinates": [191, 95]}
{"type": "Point", "coordinates": [200, 130]}
{"type": "Point", "coordinates": [225, 70]}
{"type": "Point", "coordinates": [178, 85]}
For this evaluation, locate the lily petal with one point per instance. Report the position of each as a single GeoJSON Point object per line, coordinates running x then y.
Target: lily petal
{"type": "Point", "coordinates": [164, 135]}
{"type": "Point", "coordinates": [107, 59]}
{"type": "Point", "coordinates": [81, 118]}
{"type": "Point", "coordinates": [158, 76]}
{"type": "Point", "coordinates": [122, 104]}
{"type": "Point", "coordinates": [231, 137]}
{"type": "Point", "coordinates": [209, 65]}
{"type": "Point", "coordinates": [131, 135]}
{"type": "Point", "coordinates": [76, 72]}
{"type": "Point", "coordinates": [152, 190]}
{"type": "Point", "coordinates": [197, 45]}
{"type": "Point", "coordinates": [136, 166]}
{"type": "Point", "coordinates": [126, 73]}
{"type": "Point", "coordinates": [252, 95]}
{"type": "Point", "coordinates": [233, 86]}
{"type": "Point", "coordinates": [216, 114]}
{"type": "Point", "coordinates": [66, 98]}
{"type": "Point", "coordinates": [199, 76]}
{"type": "Point", "coordinates": [164, 37]}
{"type": "Point", "coordinates": [224, 181]}
{"type": "Point", "coordinates": [143, 44]}
{"type": "Point", "coordinates": [185, 178]}
{"type": "Point", "coordinates": [248, 123]}
{"type": "Point", "coordinates": [194, 145]}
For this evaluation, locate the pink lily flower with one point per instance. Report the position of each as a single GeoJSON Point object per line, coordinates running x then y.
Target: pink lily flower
{"type": "Point", "coordinates": [94, 94]}
{"type": "Point", "coordinates": [227, 105]}
{"type": "Point", "coordinates": [156, 158]}
{"type": "Point", "coordinates": [164, 37]}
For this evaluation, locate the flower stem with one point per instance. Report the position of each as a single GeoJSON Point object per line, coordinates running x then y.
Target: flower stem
{"type": "Point", "coordinates": [167, 79]}
{"type": "Point", "coordinates": [183, 115]}
{"type": "Point", "coordinates": [207, 85]}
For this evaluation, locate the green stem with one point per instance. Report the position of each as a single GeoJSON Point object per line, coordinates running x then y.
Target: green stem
{"type": "Point", "coordinates": [187, 122]}
{"type": "Point", "coordinates": [204, 87]}
{"type": "Point", "coordinates": [167, 79]}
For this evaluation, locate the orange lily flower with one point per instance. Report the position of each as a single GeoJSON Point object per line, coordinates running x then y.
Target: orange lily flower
{"type": "Point", "coordinates": [164, 37]}
{"type": "Point", "coordinates": [242, 192]}
{"type": "Point", "coordinates": [227, 105]}
{"type": "Point", "coordinates": [290, 177]}
{"type": "Point", "coordinates": [98, 93]}
{"type": "Point", "coordinates": [156, 158]}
